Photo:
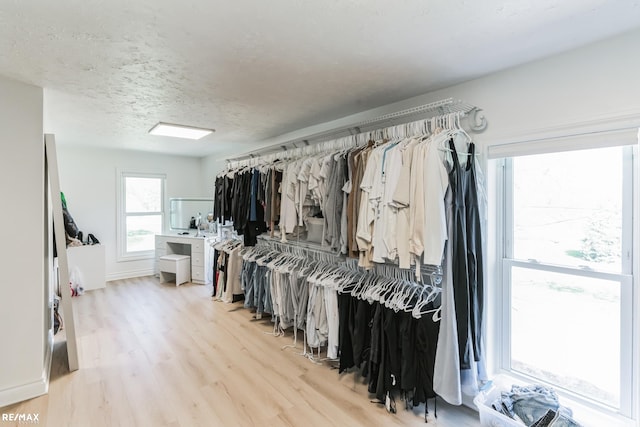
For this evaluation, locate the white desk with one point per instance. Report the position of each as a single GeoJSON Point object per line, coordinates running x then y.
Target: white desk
{"type": "Point", "coordinates": [198, 248]}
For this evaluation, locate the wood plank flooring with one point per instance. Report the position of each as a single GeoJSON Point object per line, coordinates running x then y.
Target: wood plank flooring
{"type": "Point", "coordinates": [152, 354]}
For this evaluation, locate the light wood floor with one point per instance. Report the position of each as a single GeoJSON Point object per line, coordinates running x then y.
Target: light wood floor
{"type": "Point", "coordinates": [152, 354]}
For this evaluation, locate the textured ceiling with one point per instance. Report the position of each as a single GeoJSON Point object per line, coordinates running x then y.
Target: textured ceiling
{"type": "Point", "coordinates": [256, 69]}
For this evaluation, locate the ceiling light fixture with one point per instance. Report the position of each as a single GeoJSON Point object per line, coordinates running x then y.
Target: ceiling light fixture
{"type": "Point", "coordinates": [179, 131]}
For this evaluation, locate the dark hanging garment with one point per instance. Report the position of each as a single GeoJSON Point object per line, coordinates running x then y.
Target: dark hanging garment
{"type": "Point", "coordinates": [262, 188]}
{"type": "Point", "coordinates": [275, 197]}
{"type": "Point", "coordinates": [352, 250]}
{"type": "Point", "coordinates": [346, 313]}
{"type": "Point", "coordinates": [329, 214]}
{"type": "Point", "coordinates": [253, 195]}
{"type": "Point", "coordinates": [474, 253]}
{"type": "Point", "coordinates": [255, 224]}
{"type": "Point", "coordinates": [336, 200]}
{"type": "Point", "coordinates": [426, 340]}
{"type": "Point", "coordinates": [238, 213]}
{"type": "Point", "coordinates": [392, 375]}
{"type": "Point", "coordinates": [268, 200]}
{"type": "Point", "coordinates": [362, 331]}
{"type": "Point", "coordinates": [459, 268]}
{"type": "Point", "coordinates": [227, 204]}
{"type": "Point", "coordinates": [216, 270]}
{"type": "Point", "coordinates": [376, 355]}
{"type": "Point", "coordinates": [272, 198]}
{"type": "Point", "coordinates": [241, 200]}
{"type": "Point", "coordinates": [408, 361]}
{"type": "Point", "coordinates": [218, 199]}
{"type": "Point", "coordinates": [235, 199]}
{"type": "Point", "coordinates": [251, 232]}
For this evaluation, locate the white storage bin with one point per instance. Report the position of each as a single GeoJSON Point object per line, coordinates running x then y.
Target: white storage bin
{"type": "Point", "coordinates": [315, 227]}
{"type": "Point", "coordinates": [489, 417]}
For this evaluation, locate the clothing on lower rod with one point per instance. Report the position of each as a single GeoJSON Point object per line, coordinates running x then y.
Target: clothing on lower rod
{"type": "Point", "coordinates": [393, 350]}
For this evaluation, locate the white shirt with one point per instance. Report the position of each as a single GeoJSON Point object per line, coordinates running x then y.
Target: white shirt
{"type": "Point", "coordinates": [389, 211]}
{"type": "Point", "coordinates": [288, 216]}
{"type": "Point", "coordinates": [436, 182]}
{"type": "Point", "coordinates": [367, 213]}
{"type": "Point", "coordinates": [401, 201]}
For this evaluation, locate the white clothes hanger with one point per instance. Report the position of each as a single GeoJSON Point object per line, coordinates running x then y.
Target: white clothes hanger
{"type": "Point", "coordinates": [417, 311]}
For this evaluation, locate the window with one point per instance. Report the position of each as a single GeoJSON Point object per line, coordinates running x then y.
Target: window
{"type": "Point", "coordinates": [141, 214]}
{"type": "Point", "coordinates": [567, 272]}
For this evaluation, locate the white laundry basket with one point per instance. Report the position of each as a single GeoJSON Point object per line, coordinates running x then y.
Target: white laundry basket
{"type": "Point", "coordinates": [489, 417]}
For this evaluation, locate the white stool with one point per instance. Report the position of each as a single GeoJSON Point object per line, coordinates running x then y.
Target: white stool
{"type": "Point", "coordinates": [178, 266]}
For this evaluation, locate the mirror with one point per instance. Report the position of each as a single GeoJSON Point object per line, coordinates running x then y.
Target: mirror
{"type": "Point", "coordinates": [182, 210]}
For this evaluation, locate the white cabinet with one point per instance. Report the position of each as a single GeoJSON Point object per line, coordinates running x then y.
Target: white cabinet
{"type": "Point", "coordinates": [88, 261]}
{"type": "Point", "coordinates": [198, 248]}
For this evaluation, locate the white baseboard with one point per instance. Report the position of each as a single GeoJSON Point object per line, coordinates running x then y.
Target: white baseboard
{"type": "Point", "coordinates": [37, 388]}
{"type": "Point", "coordinates": [129, 274]}
{"type": "Point", "coordinates": [23, 392]}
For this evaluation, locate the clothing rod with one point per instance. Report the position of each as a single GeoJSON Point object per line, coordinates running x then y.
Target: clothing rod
{"type": "Point", "coordinates": [437, 108]}
{"type": "Point", "coordinates": [308, 247]}
{"type": "Point", "coordinates": [378, 269]}
{"type": "Point", "coordinates": [442, 107]}
{"type": "Point", "coordinates": [346, 141]}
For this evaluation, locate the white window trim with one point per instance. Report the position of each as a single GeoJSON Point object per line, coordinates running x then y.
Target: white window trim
{"type": "Point", "coordinates": [122, 255]}
{"type": "Point", "coordinates": [499, 264]}
{"type": "Point", "coordinates": [635, 265]}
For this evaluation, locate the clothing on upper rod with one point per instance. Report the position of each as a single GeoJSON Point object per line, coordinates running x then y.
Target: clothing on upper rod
{"type": "Point", "coordinates": [329, 185]}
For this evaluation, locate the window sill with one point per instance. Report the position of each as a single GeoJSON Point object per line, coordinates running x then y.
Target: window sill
{"type": "Point", "coordinates": [142, 256]}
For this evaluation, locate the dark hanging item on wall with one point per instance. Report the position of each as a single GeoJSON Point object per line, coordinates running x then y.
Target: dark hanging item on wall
{"type": "Point", "coordinates": [69, 224]}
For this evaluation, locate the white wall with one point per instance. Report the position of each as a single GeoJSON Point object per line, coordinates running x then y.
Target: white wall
{"type": "Point", "coordinates": [596, 81]}
{"type": "Point", "coordinates": [88, 178]}
{"type": "Point", "coordinates": [211, 165]}
{"type": "Point", "coordinates": [22, 254]}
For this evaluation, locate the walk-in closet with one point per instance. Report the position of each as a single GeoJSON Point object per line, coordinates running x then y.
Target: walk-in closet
{"type": "Point", "coordinates": [320, 213]}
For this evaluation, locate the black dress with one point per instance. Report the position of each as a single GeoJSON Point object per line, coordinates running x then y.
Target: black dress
{"type": "Point", "coordinates": [466, 257]}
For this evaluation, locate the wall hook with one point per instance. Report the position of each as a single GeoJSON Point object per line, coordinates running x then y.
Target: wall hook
{"type": "Point", "coordinates": [478, 121]}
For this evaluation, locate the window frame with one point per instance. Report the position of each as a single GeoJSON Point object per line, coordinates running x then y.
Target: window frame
{"type": "Point", "coordinates": [627, 278]}
{"type": "Point", "coordinates": [123, 254]}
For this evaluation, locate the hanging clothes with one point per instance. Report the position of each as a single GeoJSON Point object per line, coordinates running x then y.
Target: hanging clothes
{"type": "Point", "coordinates": [474, 252]}
{"type": "Point", "coordinates": [411, 202]}
{"type": "Point", "coordinates": [446, 380]}
{"type": "Point", "coordinates": [255, 224]}
{"type": "Point", "coordinates": [288, 212]}
{"type": "Point", "coordinates": [401, 201]}
{"type": "Point", "coordinates": [464, 268]}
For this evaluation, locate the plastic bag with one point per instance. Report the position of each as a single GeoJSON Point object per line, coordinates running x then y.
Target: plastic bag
{"type": "Point", "coordinates": [76, 282]}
